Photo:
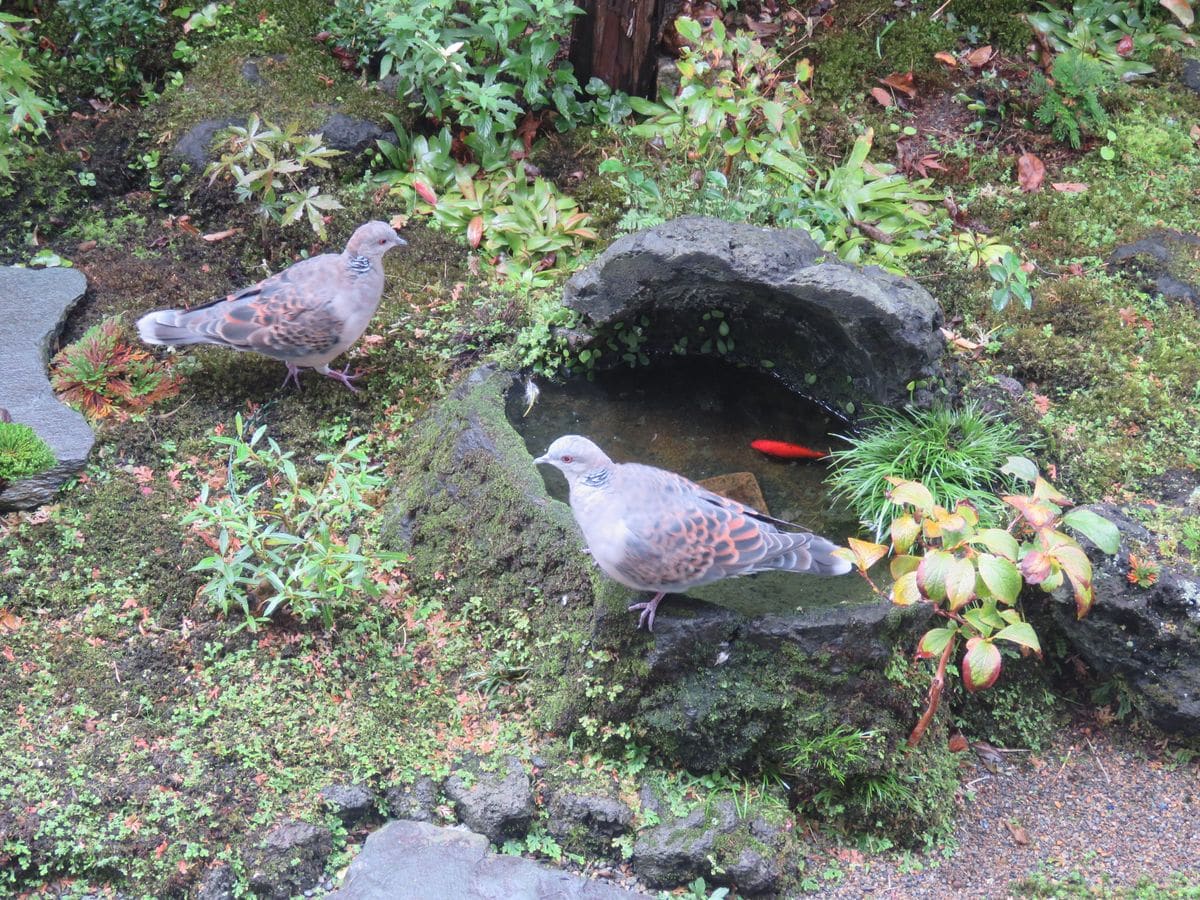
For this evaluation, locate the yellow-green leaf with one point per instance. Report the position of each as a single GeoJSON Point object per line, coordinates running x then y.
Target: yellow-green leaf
{"type": "Point", "coordinates": [1095, 528]}
{"type": "Point", "coordinates": [933, 642]}
{"type": "Point", "coordinates": [904, 532]}
{"type": "Point", "coordinates": [960, 582]}
{"type": "Point", "coordinates": [981, 665]}
{"type": "Point", "coordinates": [905, 591]}
{"type": "Point", "coordinates": [911, 493]}
{"type": "Point", "coordinates": [932, 573]}
{"type": "Point", "coordinates": [999, 542]}
{"type": "Point", "coordinates": [866, 553]}
{"type": "Point", "coordinates": [902, 565]}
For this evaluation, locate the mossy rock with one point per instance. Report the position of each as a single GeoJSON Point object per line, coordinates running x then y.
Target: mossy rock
{"type": "Point", "coordinates": [710, 688]}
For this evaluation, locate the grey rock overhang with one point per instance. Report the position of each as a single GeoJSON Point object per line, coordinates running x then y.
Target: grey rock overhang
{"type": "Point", "coordinates": [34, 304]}
{"type": "Point", "coordinates": [831, 330]}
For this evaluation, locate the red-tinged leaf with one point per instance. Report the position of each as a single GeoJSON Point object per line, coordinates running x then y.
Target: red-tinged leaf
{"type": "Point", "coordinates": [902, 82]}
{"type": "Point", "coordinates": [960, 583]}
{"type": "Point", "coordinates": [1083, 599]}
{"type": "Point", "coordinates": [905, 591]}
{"type": "Point", "coordinates": [1069, 187]}
{"type": "Point", "coordinates": [1022, 634]}
{"type": "Point", "coordinates": [882, 97]}
{"type": "Point", "coordinates": [1036, 512]}
{"type": "Point", "coordinates": [1035, 567]}
{"type": "Point", "coordinates": [912, 493]}
{"type": "Point", "coordinates": [957, 743]}
{"type": "Point", "coordinates": [932, 573]}
{"type": "Point", "coordinates": [1181, 10]}
{"type": "Point", "coordinates": [219, 235]}
{"type": "Point", "coordinates": [946, 59]}
{"type": "Point", "coordinates": [1125, 46]}
{"type": "Point", "coordinates": [475, 231]}
{"type": "Point", "coordinates": [1001, 577]}
{"type": "Point", "coordinates": [904, 532]}
{"type": "Point", "coordinates": [902, 565]}
{"type": "Point", "coordinates": [978, 57]}
{"type": "Point", "coordinates": [1074, 562]}
{"type": "Point", "coordinates": [933, 642]}
{"type": "Point", "coordinates": [425, 192]}
{"type": "Point", "coordinates": [1044, 490]}
{"type": "Point", "coordinates": [866, 553]}
{"type": "Point", "coordinates": [981, 665]}
{"type": "Point", "coordinates": [1031, 171]}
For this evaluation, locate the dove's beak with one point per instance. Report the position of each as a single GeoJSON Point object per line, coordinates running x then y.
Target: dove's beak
{"type": "Point", "coordinates": [541, 460]}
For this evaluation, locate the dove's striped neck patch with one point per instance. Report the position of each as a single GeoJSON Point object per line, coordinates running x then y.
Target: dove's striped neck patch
{"type": "Point", "coordinates": [359, 265]}
{"type": "Point", "coordinates": [598, 478]}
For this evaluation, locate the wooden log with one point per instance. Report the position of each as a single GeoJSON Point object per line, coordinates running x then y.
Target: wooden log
{"type": "Point", "coordinates": [616, 41]}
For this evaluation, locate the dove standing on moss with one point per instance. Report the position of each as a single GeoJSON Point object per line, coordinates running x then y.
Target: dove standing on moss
{"type": "Point", "coordinates": [304, 316]}
{"type": "Point", "coordinates": [653, 530]}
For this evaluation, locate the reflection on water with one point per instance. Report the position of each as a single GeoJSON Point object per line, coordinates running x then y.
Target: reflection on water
{"type": "Point", "coordinates": [697, 417]}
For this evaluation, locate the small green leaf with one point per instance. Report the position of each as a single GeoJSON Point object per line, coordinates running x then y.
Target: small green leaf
{"type": "Point", "coordinates": [1021, 633]}
{"type": "Point", "coordinates": [1020, 467]}
{"type": "Point", "coordinates": [1001, 577]}
{"type": "Point", "coordinates": [933, 642]}
{"type": "Point", "coordinates": [999, 542]}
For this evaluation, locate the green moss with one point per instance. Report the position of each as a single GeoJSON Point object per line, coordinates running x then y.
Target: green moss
{"type": "Point", "coordinates": [910, 42]}
{"type": "Point", "coordinates": [1018, 712]}
{"type": "Point", "coordinates": [999, 22]}
{"type": "Point", "coordinates": [844, 61]}
{"type": "Point", "coordinates": [22, 452]}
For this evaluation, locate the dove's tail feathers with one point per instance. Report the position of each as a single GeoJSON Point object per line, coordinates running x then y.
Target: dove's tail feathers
{"type": "Point", "coordinates": [813, 554]}
{"type": "Point", "coordinates": [823, 560]}
{"type": "Point", "coordinates": [168, 326]}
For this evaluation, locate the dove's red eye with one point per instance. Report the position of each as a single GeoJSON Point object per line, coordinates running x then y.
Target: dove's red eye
{"type": "Point", "coordinates": [382, 241]}
{"type": "Point", "coordinates": [568, 459]}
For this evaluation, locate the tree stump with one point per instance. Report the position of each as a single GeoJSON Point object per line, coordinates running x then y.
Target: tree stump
{"type": "Point", "coordinates": [615, 41]}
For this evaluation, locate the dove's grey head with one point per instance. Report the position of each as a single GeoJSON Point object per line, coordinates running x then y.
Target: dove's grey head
{"type": "Point", "coordinates": [373, 239]}
{"type": "Point", "coordinates": [575, 456]}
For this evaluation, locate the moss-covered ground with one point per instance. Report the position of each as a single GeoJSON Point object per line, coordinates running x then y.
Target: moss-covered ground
{"type": "Point", "coordinates": [143, 737]}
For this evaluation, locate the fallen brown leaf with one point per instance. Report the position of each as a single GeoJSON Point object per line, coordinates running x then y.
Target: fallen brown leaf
{"type": "Point", "coordinates": [882, 97]}
{"type": "Point", "coordinates": [958, 743]}
{"type": "Point", "coordinates": [946, 59]}
{"type": "Point", "coordinates": [1030, 173]}
{"type": "Point", "coordinates": [9, 621]}
{"type": "Point", "coordinates": [1019, 835]}
{"type": "Point", "coordinates": [902, 82]}
{"type": "Point", "coordinates": [1069, 187]}
{"type": "Point", "coordinates": [978, 57]}
{"type": "Point", "coordinates": [86, 246]}
{"type": "Point", "coordinates": [219, 235]}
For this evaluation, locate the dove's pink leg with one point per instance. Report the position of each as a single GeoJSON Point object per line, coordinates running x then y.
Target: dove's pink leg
{"type": "Point", "coordinates": [648, 609]}
{"type": "Point", "coordinates": [344, 376]}
{"type": "Point", "coordinates": [292, 375]}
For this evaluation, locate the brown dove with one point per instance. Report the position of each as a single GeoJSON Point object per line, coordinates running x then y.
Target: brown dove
{"type": "Point", "coordinates": [653, 530]}
{"type": "Point", "coordinates": [305, 315]}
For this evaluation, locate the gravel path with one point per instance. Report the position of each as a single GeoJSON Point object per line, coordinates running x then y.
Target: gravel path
{"type": "Point", "coordinates": [1102, 808]}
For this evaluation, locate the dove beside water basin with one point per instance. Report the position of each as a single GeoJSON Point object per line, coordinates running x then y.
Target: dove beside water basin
{"type": "Point", "coordinates": [697, 417]}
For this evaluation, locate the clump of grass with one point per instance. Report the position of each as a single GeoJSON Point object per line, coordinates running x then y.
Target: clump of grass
{"type": "Point", "coordinates": [22, 452]}
{"type": "Point", "coordinates": [957, 454]}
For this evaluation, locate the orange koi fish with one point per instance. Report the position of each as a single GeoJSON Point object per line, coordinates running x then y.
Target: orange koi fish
{"type": "Point", "coordinates": [784, 450]}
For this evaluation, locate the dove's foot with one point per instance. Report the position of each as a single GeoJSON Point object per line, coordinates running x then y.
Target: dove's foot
{"type": "Point", "coordinates": [344, 376]}
{"type": "Point", "coordinates": [292, 375]}
{"type": "Point", "coordinates": [648, 609]}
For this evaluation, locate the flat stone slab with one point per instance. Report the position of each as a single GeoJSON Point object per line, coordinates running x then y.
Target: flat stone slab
{"type": "Point", "coordinates": [34, 304]}
{"type": "Point", "coordinates": [420, 861]}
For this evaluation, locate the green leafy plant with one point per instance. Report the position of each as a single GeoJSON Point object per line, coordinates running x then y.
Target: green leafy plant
{"type": "Point", "coordinates": [957, 454]}
{"type": "Point", "coordinates": [972, 575]}
{"type": "Point", "coordinates": [1071, 104]}
{"type": "Point", "coordinates": [1012, 282]}
{"type": "Point", "coordinates": [114, 46]}
{"type": "Point", "coordinates": [1108, 32]}
{"type": "Point", "coordinates": [106, 376]}
{"type": "Point", "coordinates": [267, 164]}
{"type": "Point", "coordinates": [281, 543]}
{"type": "Point", "coordinates": [22, 452]}
{"type": "Point", "coordinates": [736, 99]}
{"type": "Point", "coordinates": [25, 109]}
{"type": "Point", "coordinates": [480, 65]}
{"type": "Point", "coordinates": [863, 211]}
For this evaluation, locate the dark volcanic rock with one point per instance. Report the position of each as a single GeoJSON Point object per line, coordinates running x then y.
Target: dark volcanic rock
{"type": "Point", "coordinates": [833, 331]}
{"type": "Point", "coordinates": [1156, 257]}
{"type": "Point", "coordinates": [351, 135]}
{"type": "Point", "coordinates": [217, 883]}
{"type": "Point", "coordinates": [34, 304]}
{"type": "Point", "coordinates": [498, 805]}
{"type": "Point", "coordinates": [586, 821]}
{"type": "Point", "coordinates": [195, 147]}
{"type": "Point", "coordinates": [681, 850]}
{"type": "Point", "coordinates": [1148, 636]}
{"type": "Point", "coordinates": [251, 68]}
{"type": "Point", "coordinates": [418, 860]}
{"type": "Point", "coordinates": [289, 861]}
{"type": "Point", "coordinates": [1190, 76]}
{"type": "Point", "coordinates": [414, 801]}
{"type": "Point", "coordinates": [349, 802]}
